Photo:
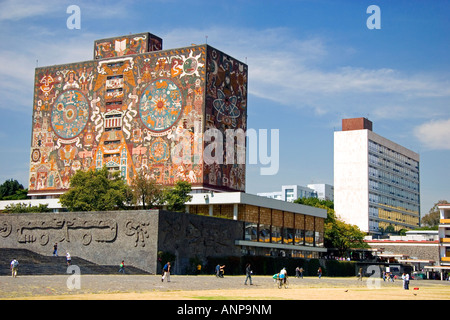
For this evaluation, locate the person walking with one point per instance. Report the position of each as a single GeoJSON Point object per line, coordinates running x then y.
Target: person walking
{"type": "Point", "coordinates": [14, 268]}
{"type": "Point", "coordinates": [360, 275]}
{"type": "Point", "coordinates": [55, 249]}
{"type": "Point", "coordinates": [319, 272]}
{"type": "Point", "coordinates": [248, 274]}
{"type": "Point", "coordinates": [68, 258]}
{"type": "Point", "coordinates": [221, 271]}
{"type": "Point", "coordinates": [122, 267]}
{"type": "Point", "coordinates": [166, 272]}
{"type": "Point", "coordinates": [217, 270]}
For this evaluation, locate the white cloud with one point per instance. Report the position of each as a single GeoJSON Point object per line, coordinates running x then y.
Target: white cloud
{"type": "Point", "coordinates": [434, 134]}
{"type": "Point", "coordinates": [15, 10]}
{"type": "Point", "coordinates": [18, 67]}
{"type": "Point", "coordinates": [293, 71]}
{"type": "Point", "coordinates": [21, 9]}
{"type": "Point", "coordinates": [283, 68]}
{"type": "Point", "coordinates": [389, 111]}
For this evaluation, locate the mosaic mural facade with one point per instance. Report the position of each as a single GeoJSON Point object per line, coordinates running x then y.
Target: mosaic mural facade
{"type": "Point", "coordinates": [137, 108]}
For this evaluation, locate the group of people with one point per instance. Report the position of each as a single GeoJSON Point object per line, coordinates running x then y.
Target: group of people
{"type": "Point", "coordinates": [220, 271]}
{"type": "Point", "coordinates": [14, 265]}
{"type": "Point", "coordinates": [299, 272]}
{"type": "Point", "coordinates": [389, 276]}
{"type": "Point", "coordinates": [405, 278]}
{"type": "Point", "coordinates": [55, 254]}
{"type": "Point", "coordinates": [280, 276]}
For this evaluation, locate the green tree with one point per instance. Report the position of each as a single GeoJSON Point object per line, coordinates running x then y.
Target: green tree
{"type": "Point", "coordinates": [316, 202]}
{"type": "Point", "coordinates": [177, 196]}
{"type": "Point", "coordinates": [343, 236]}
{"type": "Point", "coordinates": [146, 192]}
{"type": "Point", "coordinates": [322, 204]}
{"type": "Point", "coordinates": [23, 207]}
{"type": "Point", "coordinates": [95, 190]}
{"type": "Point", "coordinates": [432, 218]}
{"type": "Point", "coordinates": [337, 233]}
{"type": "Point", "coordinates": [12, 190]}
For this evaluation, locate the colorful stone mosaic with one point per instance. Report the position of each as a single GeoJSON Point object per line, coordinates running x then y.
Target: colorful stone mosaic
{"type": "Point", "coordinates": [160, 105]}
{"type": "Point", "coordinates": [126, 45]}
{"type": "Point", "coordinates": [137, 110]}
{"type": "Point", "coordinates": [70, 114]}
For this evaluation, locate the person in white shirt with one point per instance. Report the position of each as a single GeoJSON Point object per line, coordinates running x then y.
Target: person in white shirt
{"type": "Point", "coordinates": [14, 268]}
{"type": "Point", "coordinates": [68, 258]}
{"type": "Point", "coordinates": [405, 277]}
{"type": "Point", "coordinates": [283, 274]}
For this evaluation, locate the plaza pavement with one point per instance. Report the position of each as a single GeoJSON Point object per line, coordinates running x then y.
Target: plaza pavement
{"type": "Point", "coordinates": [182, 287]}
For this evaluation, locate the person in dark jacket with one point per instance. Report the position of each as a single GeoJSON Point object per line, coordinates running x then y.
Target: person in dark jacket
{"type": "Point", "coordinates": [248, 274]}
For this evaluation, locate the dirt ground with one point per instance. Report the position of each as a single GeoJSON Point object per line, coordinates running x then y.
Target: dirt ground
{"type": "Point", "coordinates": [207, 287]}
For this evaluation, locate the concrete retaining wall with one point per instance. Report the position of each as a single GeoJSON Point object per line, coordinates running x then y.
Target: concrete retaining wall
{"type": "Point", "coordinates": [420, 251]}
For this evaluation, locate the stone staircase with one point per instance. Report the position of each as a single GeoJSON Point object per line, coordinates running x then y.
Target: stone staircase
{"type": "Point", "coordinates": [32, 263]}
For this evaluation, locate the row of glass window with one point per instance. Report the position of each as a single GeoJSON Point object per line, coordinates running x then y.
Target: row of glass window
{"type": "Point", "coordinates": [280, 235]}
{"type": "Point", "coordinates": [394, 203]}
{"type": "Point", "coordinates": [393, 179]}
{"type": "Point", "coordinates": [392, 215]}
{"type": "Point", "coordinates": [274, 252]}
{"type": "Point", "coordinates": [375, 226]}
{"type": "Point", "coordinates": [375, 160]}
{"type": "Point", "coordinates": [392, 191]}
{"type": "Point", "coordinates": [393, 155]}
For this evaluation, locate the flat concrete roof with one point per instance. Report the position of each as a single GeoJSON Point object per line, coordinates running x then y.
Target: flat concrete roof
{"type": "Point", "coordinates": [278, 246]}
{"type": "Point", "coordinates": [437, 267]}
{"type": "Point", "coordinates": [417, 261]}
{"type": "Point", "coordinates": [52, 203]}
{"type": "Point", "coordinates": [209, 198]}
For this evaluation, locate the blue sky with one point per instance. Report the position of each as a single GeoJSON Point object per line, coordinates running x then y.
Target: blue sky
{"type": "Point", "coordinates": [311, 63]}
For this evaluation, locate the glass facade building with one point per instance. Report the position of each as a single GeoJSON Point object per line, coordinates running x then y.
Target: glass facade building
{"type": "Point", "coordinates": [271, 227]}
{"type": "Point", "coordinates": [376, 181]}
{"type": "Point", "coordinates": [394, 189]}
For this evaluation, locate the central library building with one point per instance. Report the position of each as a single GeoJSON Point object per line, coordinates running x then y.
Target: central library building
{"type": "Point", "coordinates": [125, 109]}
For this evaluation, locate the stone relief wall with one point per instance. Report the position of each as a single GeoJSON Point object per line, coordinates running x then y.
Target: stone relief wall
{"type": "Point", "coordinates": [134, 236]}
{"type": "Point", "coordinates": [189, 235]}
{"type": "Point", "coordinates": [103, 237]}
